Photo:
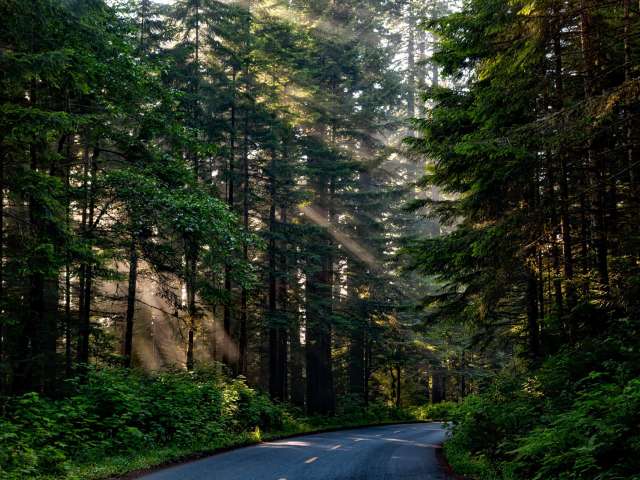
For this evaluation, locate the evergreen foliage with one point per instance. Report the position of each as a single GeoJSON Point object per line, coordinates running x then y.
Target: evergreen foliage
{"type": "Point", "coordinates": [533, 142]}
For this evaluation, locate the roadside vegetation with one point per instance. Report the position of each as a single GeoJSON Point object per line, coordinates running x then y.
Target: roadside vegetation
{"type": "Point", "coordinates": [575, 417]}
{"type": "Point", "coordinates": [117, 420]}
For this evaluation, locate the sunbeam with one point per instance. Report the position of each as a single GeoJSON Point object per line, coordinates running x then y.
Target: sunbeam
{"type": "Point", "coordinates": [320, 218]}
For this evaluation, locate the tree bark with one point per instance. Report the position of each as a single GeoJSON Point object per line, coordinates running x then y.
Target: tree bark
{"type": "Point", "coordinates": [3, 356]}
{"type": "Point", "coordinates": [411, 63]}
{"type": "Point", "coordinates": [191, 265]}
{"type": "Point", "coordinates": [595, 160]}
{"type": "Point", "coordinates": [296, 364]}
{"type": "Point", "coordinates": [398, 399]}
{"type": "Point", "coordinates": [227, 320]}
{"type": "Point", "coordinates": [244, 339]}
{"type": "Point", "coordinates": [533, 332]}
{"type": "Point", "coordinates": [87, 283]}
{"type": "Point", "coordinates": [131, 302]}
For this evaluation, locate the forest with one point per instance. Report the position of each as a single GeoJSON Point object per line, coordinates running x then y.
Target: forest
{"type": "Point", "coordinates": [226, 221]}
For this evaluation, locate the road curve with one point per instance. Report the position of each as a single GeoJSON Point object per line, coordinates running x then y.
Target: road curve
{"type": "Point", "coordinates": [398, 452]}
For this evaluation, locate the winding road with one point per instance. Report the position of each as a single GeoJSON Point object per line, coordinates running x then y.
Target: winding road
{"type": "Point", "coordinates": [390, 452]}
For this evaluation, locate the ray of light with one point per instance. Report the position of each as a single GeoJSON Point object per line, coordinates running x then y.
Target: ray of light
{"type": "Point", "coordinates": [353, 247]}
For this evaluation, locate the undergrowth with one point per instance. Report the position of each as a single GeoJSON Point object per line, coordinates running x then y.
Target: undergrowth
{"type": "Point", "coordinates": [117, 421]}
{"type": "Point", "coordinates": [576, 416]}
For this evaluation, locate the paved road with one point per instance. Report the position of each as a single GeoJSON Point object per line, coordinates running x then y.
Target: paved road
{"type": "Point", "coordinates": [392, 452]}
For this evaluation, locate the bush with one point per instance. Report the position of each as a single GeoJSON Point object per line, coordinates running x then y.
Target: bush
{"type": "Point", "coordinates": [597, 438]}
{"type": "Point", "coordinates": [116, 416]}
{"type": "Point", "coordinates": [564, 421]}
{"type": "Point", "coordinates": [443, 411]}
{"type": "Point", "coordinates": [116, 410]}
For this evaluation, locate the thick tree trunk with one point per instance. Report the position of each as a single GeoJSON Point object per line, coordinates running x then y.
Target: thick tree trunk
{"type": "Point", "coordinates": [533, 332]}
{"type": "Point", "coordinates": [227, 320]}
{"type": "Point", "coordinates": [356, 367]}
{"type": "Point", "coordinates": [368, 360]}
{"type": "Point", "coordinates": [439, 385]}
{"type": "Point", "coordinates": [398, 399]}
{"type": "Point", "coordinates": [243, 337]}
{"type": "Point", "coordinates": [319, 307]}
{"type": "Point", "coordinates": [68, 349]}
{"type": "Point", "coordinates": [296, 364]}
{"type": "Point", "coordinates": [87, 283]}
{"type": "Point", "coordinates": [629, 131]}
{"type": "Point", "coordinates": [131, 303]}
{"type": "Point", "coordinates": [283, 294]}
{"type": "Point", "coordinates": [277, 333]}
{"type": "Point", "coordinates": [567, 241]}
{"type": "Point", "coordinates": [191, 265]}
{"type": "Point", "coordinates": [196, 86]}
{"type": "Point", "coordinates": [275, 376]}
{"type": "Point", "coordinates": [463, 376]}
{"type": "Point", "coordinates": [595, 160]}
{"type": "Point", "coordinates": [411, 63]}
{"type": "Point", "coordinates": [3, 329]}
{"type": "Point", "coordinates": [320, 399]}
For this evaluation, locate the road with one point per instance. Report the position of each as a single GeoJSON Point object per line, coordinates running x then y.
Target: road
{"type": "Point", "coordinates": [398, 452]}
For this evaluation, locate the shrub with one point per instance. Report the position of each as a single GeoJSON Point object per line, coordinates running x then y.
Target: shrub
{"type": "Point", "coordinates": [119, 412]}
{"type": "Point", "coordinates": [563, 421]}
{"type": "Point", "coordinates": [443, 411]}
{"type": "Point", "coordinates": [116, 410]}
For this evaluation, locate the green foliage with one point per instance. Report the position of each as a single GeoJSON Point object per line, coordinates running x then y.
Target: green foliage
{"type": "Point", "coordinates": [442, 411]}
{"type": "Point", "coordinates": [116, 410]}
{"type": "Point", "coordinates": [561, 421]}
{"type": "Point", "coordinates": [538, 266]}
{"type": "Point", "coordinates": [126, 412]}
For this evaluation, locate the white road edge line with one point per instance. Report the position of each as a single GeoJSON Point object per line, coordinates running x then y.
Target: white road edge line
{"type": "Point", "coordinates": [336, 447]}
{"type": "Point", "coordinates": [311, 460]}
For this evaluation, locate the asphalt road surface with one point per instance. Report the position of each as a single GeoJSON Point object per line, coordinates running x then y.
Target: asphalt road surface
{"type": "Point", "coordinates": [391, 452]}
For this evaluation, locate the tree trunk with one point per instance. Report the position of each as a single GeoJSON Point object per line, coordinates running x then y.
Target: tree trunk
{"type": "Point", "coordinates": [411, 80]}
{"type": "Point", "coordinates": [277, 334]}
{"type": "Point", "coordinates": [244, 339]}
{"type": "Point", "coordinates": [275, 376]}
{"type": "Point", "coordinates": [68, 350]}
{"type": "Point", "coordinates": [564, 185]}
{"type": "Point", "coordinates": [356, 365]}
{"type": "Point", "coordinates": [320, 398]}
{"type": "Point", "coordinates": [87, 284]}
{"type": "Point", "coordinates": [438, 387]}
{"type": "Point", "coordinates": [3, 356]}
{"type": "Point", "coordinates": [283, 293]}
{"type": "Point", "coordinates": [191, 265]}
{"type": "Point", "coordinates": [231, 202]}
{"type": "Point", "coordinates": [319, 307]}
{"type": "Point", "coordinates": [131, 302]}
{"type": "Point", "coordinates": [296, 364]}
{"type": "Point", "coordinates": [398, 399]}
{"type": "Point", "coordinates": [367, 363]}
{"type": "Point", "coordinates": [595, 160]}
{"type": "Point", "coordinates": [533, 332]}
{"type": "Point", "coordinates": [627, 76]}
